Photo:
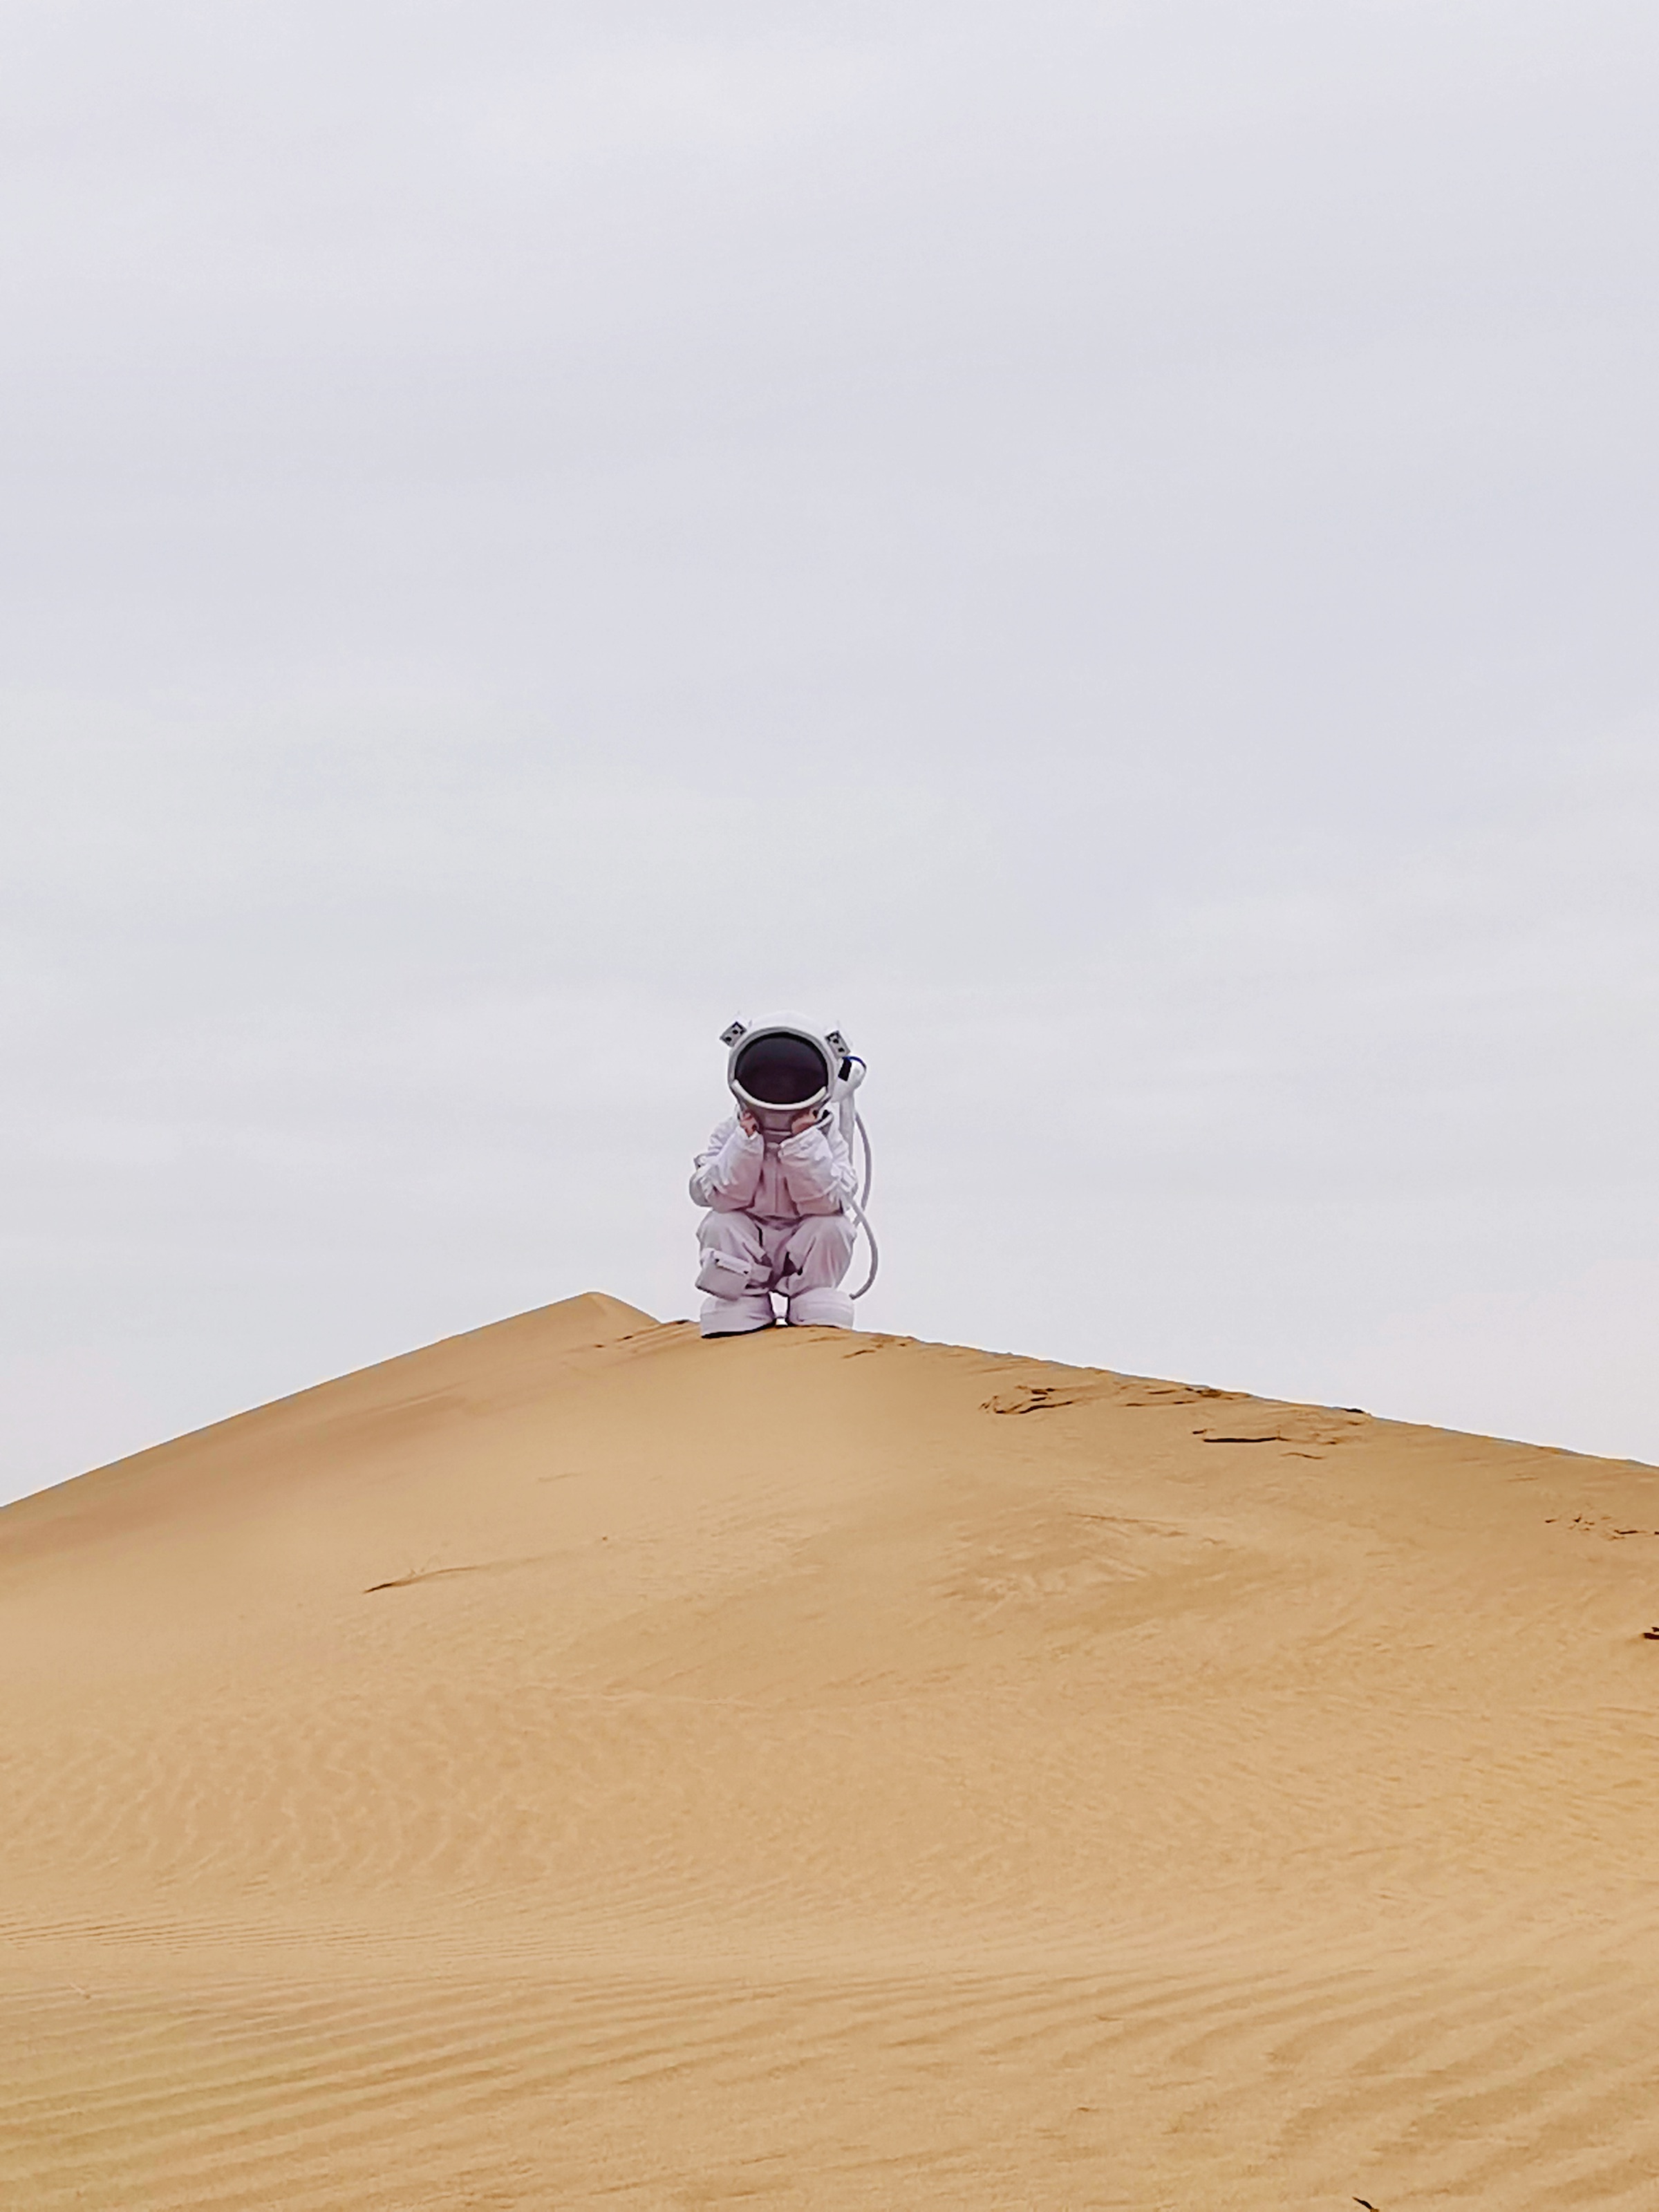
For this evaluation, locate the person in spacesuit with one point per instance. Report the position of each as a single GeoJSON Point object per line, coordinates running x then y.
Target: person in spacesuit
{"type": "Point", "coordinates": [778, 1180]}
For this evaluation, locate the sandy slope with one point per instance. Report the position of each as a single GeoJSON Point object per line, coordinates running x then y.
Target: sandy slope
{"type": "Point", "coordinates": [579, 1765]}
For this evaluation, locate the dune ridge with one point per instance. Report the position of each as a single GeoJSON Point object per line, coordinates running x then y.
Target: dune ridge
{"type": "Point", "coordinates": [575, 1764]}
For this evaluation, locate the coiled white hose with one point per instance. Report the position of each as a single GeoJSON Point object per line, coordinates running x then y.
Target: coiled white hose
{"type": "Point", "coordinates": [855, 1207]}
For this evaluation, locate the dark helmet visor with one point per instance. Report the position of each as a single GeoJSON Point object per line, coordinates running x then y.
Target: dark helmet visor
{"type": "Point", "coordinates": [777, 1070]}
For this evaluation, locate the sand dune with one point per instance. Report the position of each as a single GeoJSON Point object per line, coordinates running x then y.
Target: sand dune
{"type": "Point", "coordinates": [576, 1765]}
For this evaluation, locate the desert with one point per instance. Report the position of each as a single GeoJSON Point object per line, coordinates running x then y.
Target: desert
{"type": "Point", "coordinates": [578, 1764]}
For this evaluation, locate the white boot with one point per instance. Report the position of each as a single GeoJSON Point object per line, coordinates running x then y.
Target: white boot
{"type": "Point", "coordinates": [820, 1310]}
{"type": "Point", "coordinates": [739, 1316]}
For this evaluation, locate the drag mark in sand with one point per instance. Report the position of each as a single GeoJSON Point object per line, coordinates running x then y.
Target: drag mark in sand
{"type": "Point", "coordinates": [1030, 1398]}
{"type": "Point", "coordinates": [434, 1574]}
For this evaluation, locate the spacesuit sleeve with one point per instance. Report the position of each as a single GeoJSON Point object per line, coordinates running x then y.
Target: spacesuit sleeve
{"type": "Point", "coordinates": [728, 1168]}
{"type": "Point", "coordinates": [818, 1169]}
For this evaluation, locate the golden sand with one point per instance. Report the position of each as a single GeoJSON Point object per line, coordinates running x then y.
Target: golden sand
{"type": "Point", "coordinates": [579, 1765]}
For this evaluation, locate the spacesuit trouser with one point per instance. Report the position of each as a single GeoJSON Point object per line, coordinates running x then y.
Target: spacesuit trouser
{"type": "Point", "coordinates": [744, 1258]}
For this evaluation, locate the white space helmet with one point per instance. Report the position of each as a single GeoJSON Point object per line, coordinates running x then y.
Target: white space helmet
{"type": "Point", "coordinates": [783, 1066]}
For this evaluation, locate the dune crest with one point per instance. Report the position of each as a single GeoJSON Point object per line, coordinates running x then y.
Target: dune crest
{"type": "Point", "coordinates": [575, 1764]}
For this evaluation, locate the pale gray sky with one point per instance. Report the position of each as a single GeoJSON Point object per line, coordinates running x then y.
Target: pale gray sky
{"type": "Point", "coordinates": [1110, 549]}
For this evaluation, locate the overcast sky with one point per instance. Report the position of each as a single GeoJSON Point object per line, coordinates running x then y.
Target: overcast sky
{"type": "Point", "coordinates": [1110, 548]}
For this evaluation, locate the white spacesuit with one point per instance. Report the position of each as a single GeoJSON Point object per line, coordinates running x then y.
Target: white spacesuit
{"type": "Point", "coordinates": [779, 1182]}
